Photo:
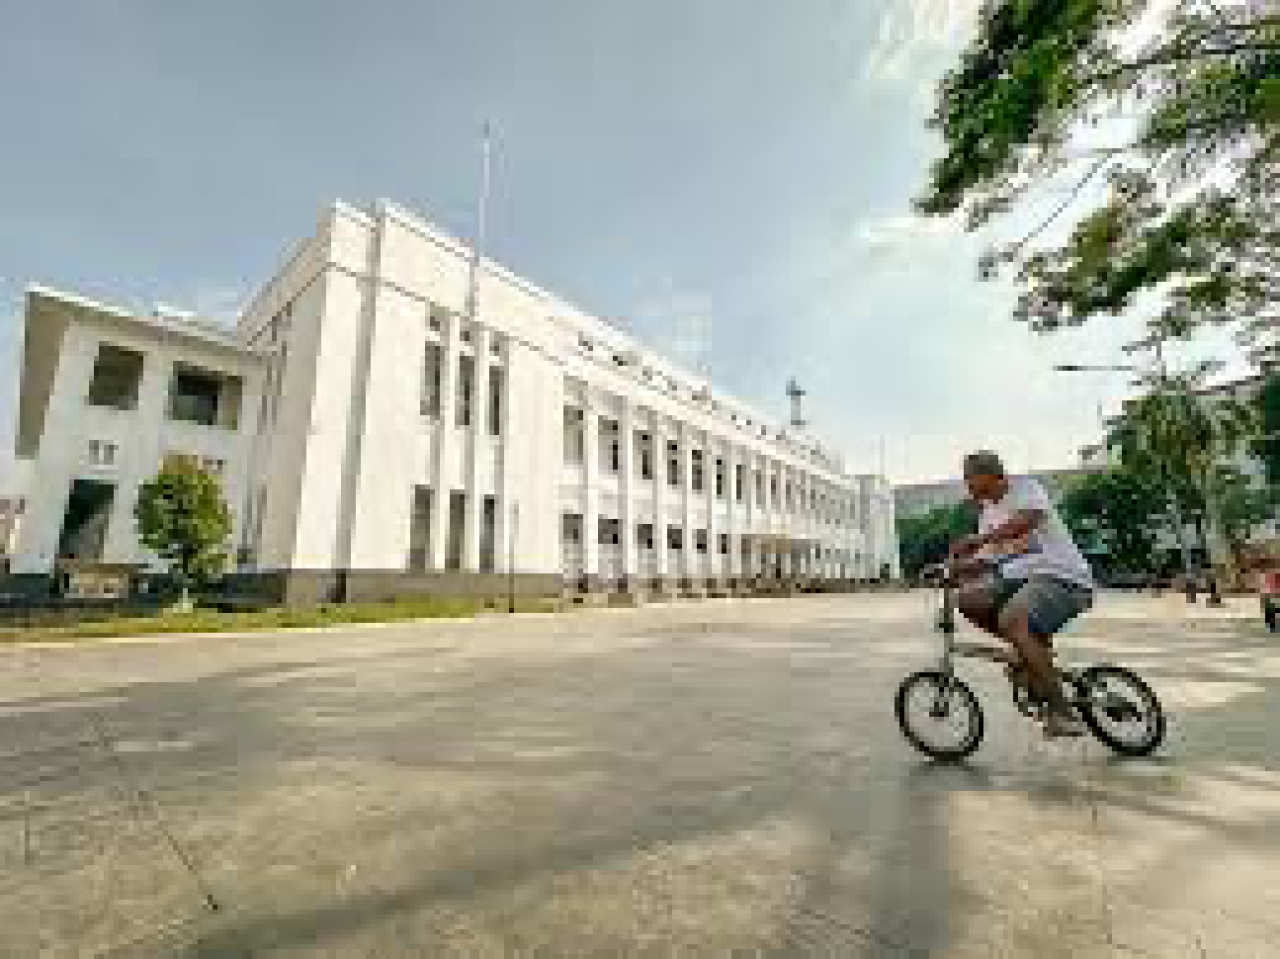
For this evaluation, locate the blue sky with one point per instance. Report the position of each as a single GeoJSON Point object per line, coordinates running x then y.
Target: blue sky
{"type": "Point", "coordinates": [730, 180]}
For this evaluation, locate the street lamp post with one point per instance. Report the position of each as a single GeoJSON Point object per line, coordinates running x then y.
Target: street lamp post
{"type": "Point", "coordinates": [1162, 372]}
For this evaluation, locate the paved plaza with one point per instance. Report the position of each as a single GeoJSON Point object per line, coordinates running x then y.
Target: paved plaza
{"type": "Point", "coordinates": [713, 779]}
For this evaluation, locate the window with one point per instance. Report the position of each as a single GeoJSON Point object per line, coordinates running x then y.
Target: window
{"type": "Point", "coordinates": [773, 490]}
{"type": "Point", "coordinates": [759, 488]}
{"type": "Point", "coordinates": [739, 482]}
{"type": "Point", "coordinates": [724, 544]}
{"type": "Point", "coordinates": [610, 531]}
{"type": "Point", "coordinates": [432, 367]}
{"type": "Point", "coordinates": [675, 538]}
{"type": "Point", "coordinates": [496, 384]}
{"type": "Point", "coordinates": [496, 344]}
{"type": "Point", "coordinates": [466, 388]}
{"type": "Point", "coordinates": [696, 467]}
{"type": "Point", "coordinates": [457, 530]}
{"type": "Point", "coordinates": [420, 528]}
{"type": "Point", "coordinates": [720, 478]}
{"type": "Point", "coordinates": [213, 465]}
{"type": "Point", "coordinates": [610, 446]}
{"type": "Point", "coordinates": [644, 536]}
{"type": "Point", "coordinates": [571, 528]}
{"type": "Point", "coordinates": [575, 436]}
{"type": "Point", "coordinates": [488, 531]}
{"type": "Point", "coordinates": [644, 455]}
{"type": "Point", "coordinates": [435, 321]}
{"type": "Point", "coordinates": [700, 540]}
{"type": "Point", "coordinates": [673, 463]}
{"type": "Point", "coordinates": [102, 453]}
{"type": "Point", "coordinates": [466, 335]}
{"type": "Point", "coordinates": [116, 375]}
{"type": "Point", "coordinates": [203, 397]}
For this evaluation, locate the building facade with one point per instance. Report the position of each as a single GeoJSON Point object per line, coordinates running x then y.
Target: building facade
{"type": "Point", "coordinates": [376, 435]}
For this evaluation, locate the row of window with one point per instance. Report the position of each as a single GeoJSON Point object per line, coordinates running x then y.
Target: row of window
{"type": "Point", "coordinates": [464, 405]}
{"type": "Point", "coordinates": [196, 395]}
{"type": "Point", "coordinates": [702, 396]}
{"type": "Point", "coordinates": [784, 494]}
{"type": "Point", "coordinates": [423, 521]}
{"type": "Point", "coordinates": [609, 533]}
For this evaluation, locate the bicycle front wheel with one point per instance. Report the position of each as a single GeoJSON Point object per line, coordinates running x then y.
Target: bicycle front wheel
{"type": "Point", "coordinates": [939, 715]}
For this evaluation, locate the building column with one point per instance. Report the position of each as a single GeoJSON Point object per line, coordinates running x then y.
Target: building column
{"type": "Point", "coordinates": [626, 492]}
{"type": "Point", "coordinates": [709, 457]}
{"type": "Point", "coordinates": [508, 524]}
{"type": "Point", "coordinates": [688, 555]}
{"type": "Point", "coordinates": [733, 522]}
{"type": "Point", "coordinates": [445, 436]}
{"type": "Point", "coordinates": [591, 489]}
{"type": "Point", "coordinates": [477, 446]}
{"type": "Point", "coordinates": [660, 494]}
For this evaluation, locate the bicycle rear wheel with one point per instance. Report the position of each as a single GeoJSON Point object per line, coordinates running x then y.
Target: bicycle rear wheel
{"type": "Point", "coordinates": [939, 715]}
{"type": "Point", "coordinates": [1120, 709]}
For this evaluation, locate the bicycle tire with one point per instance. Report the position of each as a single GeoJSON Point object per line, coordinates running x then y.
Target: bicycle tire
{"type": "Point", "coordinates": [1153, 713]}
{"type": "Point", "coordinates": [960, 691]}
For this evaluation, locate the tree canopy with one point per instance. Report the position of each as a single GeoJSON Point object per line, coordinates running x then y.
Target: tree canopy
{"type": "Point", "coordinates": [923, 538]}
{"type": "Point", "coordinates": [1267, 446]}
{"type": "Point", "coordinates": [182, 517]}
{"type": "Point", "coordinates": [1115, 516]}
{"type": "Point", "coordinates": [1190, 211]}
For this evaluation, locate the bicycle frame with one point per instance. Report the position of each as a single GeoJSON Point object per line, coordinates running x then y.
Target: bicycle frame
{"type": "Point", "coordinates": [947, 625]}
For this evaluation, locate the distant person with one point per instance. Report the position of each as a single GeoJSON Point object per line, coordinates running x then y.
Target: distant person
{"type": "Point", "coordinates": [1026, 577]}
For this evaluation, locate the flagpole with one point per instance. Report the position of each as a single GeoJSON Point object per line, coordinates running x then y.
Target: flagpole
{"type": "Point", "coordinates": [473, 271]}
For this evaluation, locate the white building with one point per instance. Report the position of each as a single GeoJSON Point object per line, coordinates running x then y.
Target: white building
{"type": "Point", "coordinates": [373, 440]}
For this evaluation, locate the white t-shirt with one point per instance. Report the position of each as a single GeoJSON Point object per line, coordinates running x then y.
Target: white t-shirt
{"type": "Point", "coordinates": [1049, 549]}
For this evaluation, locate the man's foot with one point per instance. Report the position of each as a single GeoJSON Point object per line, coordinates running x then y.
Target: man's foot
{"type": "Point", "coordinates": [1062, 725]}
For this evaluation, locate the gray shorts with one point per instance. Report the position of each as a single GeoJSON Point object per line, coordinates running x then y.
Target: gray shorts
{"type": "Point", "coordinates": [1050, 602]}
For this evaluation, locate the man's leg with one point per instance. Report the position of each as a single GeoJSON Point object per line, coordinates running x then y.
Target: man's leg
{"type": "Point", "coordinates": [1015, 626]}
{"type": "Point", "coordinates": [980, 602]}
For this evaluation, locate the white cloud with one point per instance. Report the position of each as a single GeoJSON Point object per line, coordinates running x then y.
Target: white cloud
{"type": "Point", "coordinates": [915, 37]}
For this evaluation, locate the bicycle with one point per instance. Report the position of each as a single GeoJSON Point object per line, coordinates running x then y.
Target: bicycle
{"type": "Point", "coordinates": [1116, 705]}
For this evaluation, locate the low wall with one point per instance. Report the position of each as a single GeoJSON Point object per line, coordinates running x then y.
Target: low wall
{"type": "Point", "coordinates": [312, 587]}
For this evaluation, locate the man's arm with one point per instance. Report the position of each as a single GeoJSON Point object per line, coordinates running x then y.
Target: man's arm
{"type": "Point", "coordinates": [1015, 527]}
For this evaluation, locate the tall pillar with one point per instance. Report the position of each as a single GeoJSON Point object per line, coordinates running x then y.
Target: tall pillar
{"type": "Point", "coordinates": [688, 555]}
{"type": "Point", "coordinates": [446, 435]}
{"type": "Point", "coordinates": [709, 457]}
{"type": "Point", "coordinates": [626, 491]}
{"type": "Point", "coordinates": [734, 514]}
{"type": "Point", "coordinates": [591, 484]}
{"type": "Point", "coordinates": [660, 440]}
{"type": "Point", "coordinates": [477, 445]}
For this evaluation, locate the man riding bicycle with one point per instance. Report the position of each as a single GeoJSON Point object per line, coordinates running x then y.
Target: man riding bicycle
{"type": "Point", "coordinates": [1025, 577]}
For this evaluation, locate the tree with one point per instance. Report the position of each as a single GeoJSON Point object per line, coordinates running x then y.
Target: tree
{"type": "Point", "coordinates": [923, 538]}
{"type": "Point", "coordinates": [1267, 446]}
{"type": "Point", "coordinates": [1115, 515]}
{"type": "Point", "coordinates": [1190, 212]}
{"type": "Point", "coordinates": [183, 519]}
{"type": "Point", "coordinates": [1243, 507]}
{"type": "Point", "coordinates": [1177, 439]}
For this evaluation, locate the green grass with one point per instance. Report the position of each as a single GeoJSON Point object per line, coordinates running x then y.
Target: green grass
{"type": "Point", "coordinates": [276, 617]}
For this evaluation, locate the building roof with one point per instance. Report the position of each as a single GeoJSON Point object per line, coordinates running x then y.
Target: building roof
{"type": "Point", "coordinates": [194, 328]}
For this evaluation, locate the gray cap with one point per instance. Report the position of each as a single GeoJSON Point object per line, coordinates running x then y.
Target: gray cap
{"type": "Point", "coordinates": [983, 463]}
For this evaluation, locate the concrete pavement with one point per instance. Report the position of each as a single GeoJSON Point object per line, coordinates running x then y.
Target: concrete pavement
{"type": "Point", "coordinates": [712, 779]}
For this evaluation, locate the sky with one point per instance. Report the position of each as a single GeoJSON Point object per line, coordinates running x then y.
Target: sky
{"type": "Point", "coordinates": [731, 180]}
